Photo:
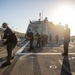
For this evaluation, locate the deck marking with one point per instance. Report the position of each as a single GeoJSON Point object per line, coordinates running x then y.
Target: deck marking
{"type": "Point", "coordinates": [43, 53]}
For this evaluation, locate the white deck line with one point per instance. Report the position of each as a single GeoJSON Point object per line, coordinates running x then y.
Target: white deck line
{"type": "Point", "coordinates": [43, 53]}
{"type": "Point", "coordinates": [22, 48]}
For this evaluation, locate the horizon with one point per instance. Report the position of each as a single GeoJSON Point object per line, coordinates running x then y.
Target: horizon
{"type": "Point", "coordinates": [17, 13]}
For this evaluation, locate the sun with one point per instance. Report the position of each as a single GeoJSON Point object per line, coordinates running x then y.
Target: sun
{"type": "Point", "coordinates": [65, 14]}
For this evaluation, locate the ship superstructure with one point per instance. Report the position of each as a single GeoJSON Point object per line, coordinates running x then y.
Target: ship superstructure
{"type": "Point", "coordinates": [46, 27]}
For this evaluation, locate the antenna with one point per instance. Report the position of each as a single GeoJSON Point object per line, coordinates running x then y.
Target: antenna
{"type": "Point", "coordinates": [42, 14]}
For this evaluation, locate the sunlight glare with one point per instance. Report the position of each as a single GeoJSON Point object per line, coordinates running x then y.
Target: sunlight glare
{"type": "Point", "coordinates": [65, 14]}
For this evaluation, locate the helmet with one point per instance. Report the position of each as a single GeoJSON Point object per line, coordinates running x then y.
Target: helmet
{"type": "Point", "coordinates": [4, 25]}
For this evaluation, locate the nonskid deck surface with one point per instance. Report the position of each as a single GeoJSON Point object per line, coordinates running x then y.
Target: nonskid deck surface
{"type": "Point", "coordinates": [46, 60]}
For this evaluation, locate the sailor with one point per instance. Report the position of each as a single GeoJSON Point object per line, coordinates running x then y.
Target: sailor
{"type": "Point", "coordinates": [57, 38]}
{"type": "Point", "coordinates": [66, 39]}
{"type": "Point", "coordinates": [29, 35]}
{"type": "Point", "coordinates": [38, 39]}
{"type": "Point", "coordinates": [42, 39]}
{"type": "Point", "coordinates": [46, 38]}
{"type": "Point", "coordinates": [11, 41]}
{"type": "Point", "coordinates": [50, 38]}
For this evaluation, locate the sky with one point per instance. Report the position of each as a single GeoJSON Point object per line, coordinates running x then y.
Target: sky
{"type": "Point", "coordinates": [17, 13]}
